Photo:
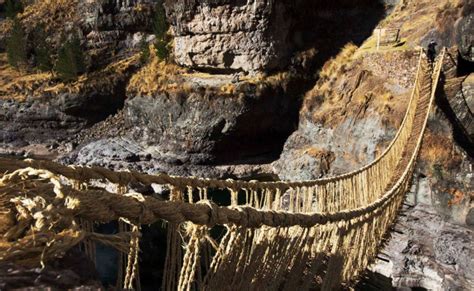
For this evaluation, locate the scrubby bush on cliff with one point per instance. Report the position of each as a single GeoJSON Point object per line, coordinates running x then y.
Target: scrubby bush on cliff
{"type": "Point", "coordinates": [12, 8]}
{"type": "Point", "coordinates": [16, 46]}
{"type": "Point", "coordinates": [160, 29]}
{"type": "Point", "coordinates": [70, 63]}
{"type": "Point", "coordinates": [41, 50]}
{"type": "Point", "coordinates": [160, 26]}
{"type": "Point", "coordinates": [144, 51]}
{"type": "Point", "coordinates": [162, 51]}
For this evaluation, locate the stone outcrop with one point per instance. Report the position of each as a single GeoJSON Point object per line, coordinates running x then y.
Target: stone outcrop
{"type": "Point", "coordinates": [112, 28]}
{"type": "Point", "coordinates": [346, 127]}
{"type": "Point", "coordinates": [465, 33]}
{"type": "Point", "coordinates": [231, 35]}
{"type": "Point", "coordinates": [428, 252]}
{"type": "Point", "coordinates": [29, 123]}
{"type": "Point", "coordinates": [462, 103]}
{"type": "Point", "coordinates": [212, 127]}
{"type": "Point", "coordinates": [258, 35]}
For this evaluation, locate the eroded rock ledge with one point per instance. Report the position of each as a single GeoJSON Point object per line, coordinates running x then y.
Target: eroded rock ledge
{"type": "Point", "coordinates": [230, 35]}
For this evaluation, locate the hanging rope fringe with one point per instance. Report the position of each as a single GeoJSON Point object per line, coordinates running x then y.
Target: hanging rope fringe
{"type": "Point", "coordinates": [132, 260]}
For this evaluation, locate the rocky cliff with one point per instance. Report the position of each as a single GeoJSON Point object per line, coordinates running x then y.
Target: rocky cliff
{"type": "Point", "coordinates": [250, 36]}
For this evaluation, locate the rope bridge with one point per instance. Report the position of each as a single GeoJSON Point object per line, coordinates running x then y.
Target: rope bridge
{"type": "Point", "coordinates": [280, 235]}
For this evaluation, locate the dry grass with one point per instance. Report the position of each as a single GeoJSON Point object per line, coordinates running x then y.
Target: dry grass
{"type": "Point", "coordinates": [52, 14]}
{"type": "Point", "coordinates": [228, 89]}
{"type": "Point", "coordinates": [338, 64]}
{"type": "Point", "coordinates": [100, 81]}
{"type": "Point", "coordinates": [354, 88]}
{"type": "Point", "coordinates": [417, 17]}
{"type": "Point", "coordinates": [19, 85]}
{"type": "Point", "coordinates": [55, 16]}
{"type": "Point", "coordinates": [333, 69]}
{"type": "Point", "coordinates": [438, 151]}
{"type": "Point", "coordinates": [156, 76]}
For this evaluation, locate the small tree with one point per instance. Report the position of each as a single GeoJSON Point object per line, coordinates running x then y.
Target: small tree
{"type": "Point", "coordinates": [70, 63]}
{"type": "Point", "coordinates": [42, 50]}
{"type": "Point", "coordinates": [145, 51]}
{"type": "Point", "coordinates": [16, 46]}
{"type": "Point", "coordinates": [12, 8]}
{"type": "Point", "coordinates": [162, 51]}
{"type": "Point", "coordinates": [160, 28]}
{"type": "Point", "coordinates": [160, 25]}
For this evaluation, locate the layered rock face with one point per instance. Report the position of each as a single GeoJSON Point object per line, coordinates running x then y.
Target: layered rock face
{"type": "Point", "coordinates": [243, 35]}
{"type": "Point", "coordinates": [115, 27]}
{"type": "Point", "coordinates": [465, 34]}
{"type": "Point", "coordinates": [206, 127]}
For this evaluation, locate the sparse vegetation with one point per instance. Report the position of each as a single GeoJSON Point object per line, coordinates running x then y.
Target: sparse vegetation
{"type": "Point", "coordinates": [144, 51]}
{"type": "Point", "coordinates": [16, 46]}
{"type": "Point", "coordinates": [70, 63]}
{"type": "Point", "coordinates": [160, 26]}
{"type": "Point", "coordinates": [160, 29]}
{"type": "Point", "coordinates": [162, 51]}
{"type": "Point", "coordinates": [337, 65]}
{"type": "Point", "coordinates": [17, 85]}
{"type": "Point", "coordinates": [155, 77]}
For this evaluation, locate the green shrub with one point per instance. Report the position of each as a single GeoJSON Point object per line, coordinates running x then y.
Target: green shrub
{"type": "Point", "coordinates": [70, 63]}
{"type": "Point", "coordinates": [160, 28]}
{"type": "Point", "coordinates": [160, 25]}
{"type": "Point", "coordinates": [16, 46]}
{"type": "Point", "coordinates": [162, 51]}
{"type": "Point", "coordinates": [144, 51]}
{"type": "Point", "coordinates": [41, 50]}
{"type": "Point", "coordinates": [12, 8]}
